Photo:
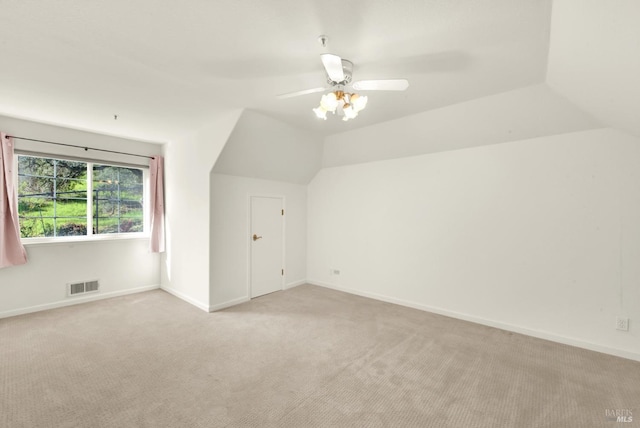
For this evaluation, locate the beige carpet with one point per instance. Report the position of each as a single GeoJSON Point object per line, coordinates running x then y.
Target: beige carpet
{"type": "Point", "coordinates": [305, 357]}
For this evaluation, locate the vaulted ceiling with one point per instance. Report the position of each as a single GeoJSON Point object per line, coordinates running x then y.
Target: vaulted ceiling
{"type": "Point", "coordinates": [165, 67]}
{"type": "Point", "coordinates": [594, 59]}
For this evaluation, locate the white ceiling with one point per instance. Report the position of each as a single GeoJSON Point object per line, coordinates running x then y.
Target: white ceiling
{"type": "Point", "coordinates": [164, 67]}
{"type": "Point", "coordinates": [522, 114]}
{"type": "Point", "coordinates": [594, 58]}
{"type": "Point", "coordinates": [261, 147]}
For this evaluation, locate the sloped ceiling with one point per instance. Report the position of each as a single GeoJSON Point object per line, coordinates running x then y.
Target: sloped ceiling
{"type": "Point", "coordinates": [266, 148]}
{"type": "Point", "coordinates": [521, 114]}
{"type": "Point", "coordinates": [594, 58]}
{"type": "Point", "coordinates": [165, 67]}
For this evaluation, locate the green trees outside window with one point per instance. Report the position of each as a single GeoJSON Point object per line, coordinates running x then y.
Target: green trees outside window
{"type": "Point", "coordinates": [52, 198]}
{"type": "Point", "coordinates": [117, 200]}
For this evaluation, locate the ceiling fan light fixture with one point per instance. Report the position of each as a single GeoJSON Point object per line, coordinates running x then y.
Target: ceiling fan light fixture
{"type": "Point", "coordinates": [320, 112]}
{"type": "Point", "coordinates": [359, 102]}
{"type": "Point", "coordinates": [349, 112]}
{"type": "Point", "coordinates": [329, 102]}
{"type": "Point", "coordinates": [345, 103]}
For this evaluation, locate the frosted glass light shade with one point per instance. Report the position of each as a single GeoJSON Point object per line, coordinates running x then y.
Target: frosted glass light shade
{"type": "Point", "coordinates": [320, 112]}
{"type": "Point", "coordinates": [345, 104]}
{"type": "Point", "coordinates": [329, 102]}
{"type": "Point", "coordinates": [349, 112]}
{"type": "Point", "coordinates": [359, 102]}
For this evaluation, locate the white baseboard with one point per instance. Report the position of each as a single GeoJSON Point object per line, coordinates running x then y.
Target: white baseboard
{"type": "Point", "coordinates": [243, 299]}
{"type": "Point", "coordinates": [294, 284]}
{"type": "Point", "coordinates": [76, 301]}
{"type": "Point", "coordinates": [488, 322]}
{"type": "Point", "coordinates": [180, 295]}
{"type": "Point", "coordinates": [228, 304]}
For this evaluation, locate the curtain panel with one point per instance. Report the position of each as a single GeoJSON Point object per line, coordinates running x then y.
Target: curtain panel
{"type": "Point", "coordinates": [12, 251]}
{"type": "Point", "coordinates": [156, 170]}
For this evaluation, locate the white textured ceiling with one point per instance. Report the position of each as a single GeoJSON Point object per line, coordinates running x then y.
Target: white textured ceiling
{"type": "Point", "coordinates": [165, 66]}
{"type": "Point", "coordinates": [521, 114]}
{"type": "Point", "coordinates": [261, 147]}
{"type": "Point", "coordinates": [594, 58]}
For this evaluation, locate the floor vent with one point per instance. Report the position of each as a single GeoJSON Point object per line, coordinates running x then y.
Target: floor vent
{"type": "Point", "coordinates": [76, 288]}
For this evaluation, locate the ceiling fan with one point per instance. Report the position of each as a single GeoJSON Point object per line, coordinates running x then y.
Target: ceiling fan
{"type": "Point", "coordinates": [340, 98]}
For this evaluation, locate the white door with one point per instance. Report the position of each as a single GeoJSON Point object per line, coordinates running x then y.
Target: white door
{"type": "Point", "coordinates": [267, 245]}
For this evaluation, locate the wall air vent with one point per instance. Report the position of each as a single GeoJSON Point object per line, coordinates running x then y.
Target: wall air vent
{"type": "Point", "coordinates": [90, 286]}
{"type": "Point", "coordinates": [77, 288]}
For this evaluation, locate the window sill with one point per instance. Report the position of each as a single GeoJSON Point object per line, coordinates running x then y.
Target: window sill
{"type": "Point", "coordinates": [34, 242]}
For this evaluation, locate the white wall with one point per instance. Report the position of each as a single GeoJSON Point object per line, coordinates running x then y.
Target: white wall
{"type": "Point", "coordinates": [229, 234]}
{"type": "Point", "coordinates": [122, 266]}
{"type": "Point", "coordinates": [188, 163]}
{"type": "Point", "coordinates": [538, 236]}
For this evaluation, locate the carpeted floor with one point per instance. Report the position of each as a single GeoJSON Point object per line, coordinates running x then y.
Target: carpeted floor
{"type": "Point", "coordinates": [306, 357]}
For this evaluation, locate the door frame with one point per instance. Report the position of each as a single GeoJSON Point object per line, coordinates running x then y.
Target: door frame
{"type": "Point", "coordinates": [250, 196]}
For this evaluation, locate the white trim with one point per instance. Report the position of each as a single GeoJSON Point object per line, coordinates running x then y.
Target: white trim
{"type": "Point", "coordinates": [228, 304]}
{"type": "Point", "coordinates": [90, 236]}
{"type": "Point", "coordinates": [283, 207]}
{"type": "Point", "coordinates": [248, 241]}
{"type": "Point", "coordinates": [294, 284]}
{"type": "Point", "coordinates": [488, 322]}
{"type": "Point", "coordinates": [146, 202]}
{"type": "Point", "coordinates": [77, 300]}
{"type": "Point", "coordinates": [85, 239]}
{"type": "Point", "coordinates": [180, 295]}
{"type": "Point", "coordinates": [56, 155]}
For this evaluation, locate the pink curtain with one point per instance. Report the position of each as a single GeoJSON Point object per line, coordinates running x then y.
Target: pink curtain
{"type": "Point", "coordinates": [156, 167]}
{"type": "Point", "coordinates": [12, 251]}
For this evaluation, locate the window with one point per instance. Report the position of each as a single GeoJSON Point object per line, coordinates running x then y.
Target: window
{"type": "Point", "coordinates": [58, 197]}
{"type": "Point", "coordinates": [117, 199]}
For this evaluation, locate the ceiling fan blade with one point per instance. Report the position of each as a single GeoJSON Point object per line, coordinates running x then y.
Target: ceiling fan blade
{"type": "Point", "coordinates": [381, 85]}
{"type": "Point", "coordinates": [298, 93]}
{"type": "Point", "coordinates": [333, 64]}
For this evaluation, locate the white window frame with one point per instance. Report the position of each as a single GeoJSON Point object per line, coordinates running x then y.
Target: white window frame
{"type": "Point", "coordinates": [90, 236]}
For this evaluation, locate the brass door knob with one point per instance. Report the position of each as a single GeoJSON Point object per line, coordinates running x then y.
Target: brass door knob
{"type": "Point", "coordinates": [256, 237]}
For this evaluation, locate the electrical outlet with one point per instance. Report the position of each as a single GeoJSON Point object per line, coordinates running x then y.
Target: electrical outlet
{"type": "Point", "coordinates": [622, 324]}
{"type": "Point", "coordinates": [336, 271]}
